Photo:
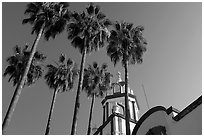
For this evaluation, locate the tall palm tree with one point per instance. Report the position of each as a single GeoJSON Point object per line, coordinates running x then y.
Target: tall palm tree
{"type": "Point", "coordinates": [126, 44]}
{"type": "Point", "coordinates": [60, 78]}
{"type": "Point", "coordinates": [48, 18]}
{"type": "Point", "coordinates": [88, 32]}
{"type": "Point", "coordinates": [17, 64]}
{"type": "Point", "coordinates": [96, 82]}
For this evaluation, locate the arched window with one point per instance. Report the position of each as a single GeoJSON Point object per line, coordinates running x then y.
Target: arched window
{"type": "Point", "coordinates": [157, 130]}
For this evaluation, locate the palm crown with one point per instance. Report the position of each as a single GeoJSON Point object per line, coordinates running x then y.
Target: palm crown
{"type": "Point", "coordinates": [53, 16]}
{"type": "Point", "coordinates": [96, 80]}
{"type": "Point", "coordinates": [18, 62]}
{"type": "Point", "coordinates": [126, 43]}
{"type": "Point", "coordinates": [63, 75]}
{"type": "Point", "coordinates": [88, 29]}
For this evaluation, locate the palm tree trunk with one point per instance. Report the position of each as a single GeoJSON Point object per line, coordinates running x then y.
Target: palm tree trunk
{"type": "Point", "coordinates": [20, 85]}
{"type": "Point", "coordinates": [127, 110]}
{"type": "Point", "coordinates": [77, 103]}
{"type": "Point", "coordinates": [90, 115]}
{"type": "Point", "coordinates": [51, 111]}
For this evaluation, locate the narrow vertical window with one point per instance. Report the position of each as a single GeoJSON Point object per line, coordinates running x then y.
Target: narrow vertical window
{"type": "Point", "coordinates": [133, 108]}
{"type": "Point", "coordinates": [104, 114]}
{"type": "Point", "coordinates": [107, 109]}
{"type": "Point", "coordinates": [120, 125]}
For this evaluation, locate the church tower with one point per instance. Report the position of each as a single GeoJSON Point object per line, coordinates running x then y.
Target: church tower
{"type": "Point", "coordinates": [114, 107]}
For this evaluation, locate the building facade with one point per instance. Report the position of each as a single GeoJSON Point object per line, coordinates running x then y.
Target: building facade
{"type": "Point", "coordinates": [159, 120]}
{"type": "Point", "coordinates": [156, 121]}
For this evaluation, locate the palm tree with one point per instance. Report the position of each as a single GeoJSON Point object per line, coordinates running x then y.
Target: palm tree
{"type": "Point", "coordinates": [60, 78]}
{"type": "Point", "coordinates": [96, 82]}
{"type": "Point", "coordinates": [88, 32]}
{"type": "Point", "coordinates": [17, 64]}
{"type": "Point", "coordinates": [126, 44]}
{"type": "Point", "coordinates": [48, 18]}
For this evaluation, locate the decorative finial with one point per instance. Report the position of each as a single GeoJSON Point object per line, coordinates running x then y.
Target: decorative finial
{"type": "Point", "coordinates": [115, 108]}
{"type": "Point", "coordinates": [118, 77]}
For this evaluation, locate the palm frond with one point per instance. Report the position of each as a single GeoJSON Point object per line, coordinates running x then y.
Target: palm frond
{"type": "Point", "coordinates": [107, 22]}
{"type": "Point", "coordinates": [77, 42]}
{"type": "Point", "coordinates": [117, 26]}
{"type": "Point", "coordinates": [95, 65]}
{"type": "Point", "coordinates": [126, 43]}
{"type": "Point", "coordinates": [57, 28]}
{"type": "Point", "coordinates": [101, 16]}
{"type": "Point", "coordinates": [96, 80]}
{"type": "Point", "coordinates": [129, 26]}
{"type": "Point", "coordinates": [9, 70]}
{"type": "Point", "coordinates": [90, 9]}
{"type": "Point", "coordinates": [62, 58]}
{"type": "Point", "coordinates": [114, 52]}
{"type": "Point", "coordinates": [70, 62]}
{"type": "Point", "coordinates": [90, 26]}
{"type": "Point", "coordinates": [62, 76]}
{"type": "Point", "coordinates": [104, 66]}
{"type": "Point", "coordinates": [37, 26]}
{"type": "Point", "coordinates": [33, 8]}
{"type": "Point", "coordinates": [54, 16]}
{"type": "Point", "coordinates": [97, 9]}
{"type": "Point", "coordinates": [115, 58]}
{"type": "Point", "coordinates": [17, 49]}
{"type": "Point", "coordinates": [30, 20]}
{"type": "Point", "coordinates": [17, 64]}
{"type": "Point", "coordinates": [38, 56]}
{"type": "Point", "coordinates": [13, 60]}
{"type": "Point", "coordinates": [73, 30]}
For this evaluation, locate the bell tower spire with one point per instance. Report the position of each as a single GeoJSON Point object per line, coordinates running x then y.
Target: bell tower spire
{"type": "Point", "coordinates": [114, 109]}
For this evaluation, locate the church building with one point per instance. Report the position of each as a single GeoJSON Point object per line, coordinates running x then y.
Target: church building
{"type": "Point", "coordinates": [156, 121]}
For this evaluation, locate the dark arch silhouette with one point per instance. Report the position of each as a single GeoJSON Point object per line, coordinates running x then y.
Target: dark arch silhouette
{"type": "Point", "coordinates": [147, 114]}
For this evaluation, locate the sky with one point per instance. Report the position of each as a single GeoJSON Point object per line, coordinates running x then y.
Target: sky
{"type": "Point", "coordinates": [171, 71]}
